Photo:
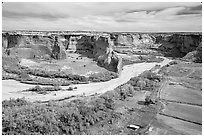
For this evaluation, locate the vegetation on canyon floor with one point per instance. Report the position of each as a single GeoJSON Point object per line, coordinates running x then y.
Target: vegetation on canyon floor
{"type": "Point", "coordinates": [13, 70]}
{"type": "Point", "coordinates": [78, 116]}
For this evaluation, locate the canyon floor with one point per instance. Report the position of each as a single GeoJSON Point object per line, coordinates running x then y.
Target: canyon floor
{"type": "Point", "coordinates": [178, 110]}
{"type": "Point", "coordinates": [181, 96]}
{"type": "Point", "coordinates": [11, 88]}
{"type": "Point", "coordinates": [73, 64]}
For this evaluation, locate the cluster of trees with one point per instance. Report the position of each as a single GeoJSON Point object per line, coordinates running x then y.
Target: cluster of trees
{"type": "Point", "coordinates": [72, 118]}
{"type": "Point", "coordinates": [75, 117]}
{"type": "Point", "coordinates": [146, 81]}
{"type": "Point", "coordinates": [43, 90]}
{"type": "Point", "coordinates": [101, 77]}
{"type": "Point", "coordinates": [129, 62]}
{"type": "Point", "coordinates": [23, 75]}
{"type": "Point", "coordinates": [142, 59]}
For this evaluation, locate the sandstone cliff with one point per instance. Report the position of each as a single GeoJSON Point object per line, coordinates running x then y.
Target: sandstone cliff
{"type": "Point", "coordinates": [133, 40]}
{"type": "Point", "coordinates": [179, 45]}
{"type": "Point", "coordinates": [98, 47]}
{"type": "Point", "coordinates": [169, 44]}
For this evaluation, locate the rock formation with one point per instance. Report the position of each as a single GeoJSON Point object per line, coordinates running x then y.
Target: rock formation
{"type": "Point", "coordinates": [133, 40]}
{"type": "Point", "coordinates": [105, 55]}
{"type": "Point", "coordinates": [179, 45]}
{"type": "Point", "coordinates": [100, 46]}
{"type": "Point", "coordinates": [58, 50]}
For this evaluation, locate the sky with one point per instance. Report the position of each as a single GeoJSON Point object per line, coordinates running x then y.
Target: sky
{"type": "Point", "coordinates": [103, 16]}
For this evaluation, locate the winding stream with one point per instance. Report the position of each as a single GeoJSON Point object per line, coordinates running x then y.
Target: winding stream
{"type": "Point", "coordinates": [10, 87]}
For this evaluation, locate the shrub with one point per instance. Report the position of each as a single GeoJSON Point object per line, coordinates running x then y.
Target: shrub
{"type": "Point", "coordinates": [150, 75]}
{"type": "Point", "coordinates": [43, 90]}
{"type": "Point", "coordinates": [124, 91]}
{"type": "Point", "coordinates": [133, 81]}
{"type": "Point", "coordinates": [53, 118]}
{"type": "Point", "coordinates": [101, 77]}
{"type": "Point", "coordinates": [145, 81]}
{"type": "Point", "coordinates": [128, 62]}
{"type": "Point", "coordinates": [24, 76]}
{"type": "Point", "coordinates": [14, 102]}
{"type": "Point", "coordinates": [173, 62]}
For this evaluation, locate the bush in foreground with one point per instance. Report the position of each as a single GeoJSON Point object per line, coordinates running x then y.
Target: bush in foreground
{"type": "Point", "coordinates": [26, 118]}
{"type": "Point", "coordinates": [75, 117]}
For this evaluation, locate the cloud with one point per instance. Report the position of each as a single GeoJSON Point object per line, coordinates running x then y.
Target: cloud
{"type": "Point", "coordinates": [25, 15]}
{"type": "Point", "coordinates": [191, 10]}
{"type": "Point", "coordinates": [165, 14]}
{"type": "Point", "coordinates": [106, 16]}
{"type": "Point", "coordinates": [31, 10]}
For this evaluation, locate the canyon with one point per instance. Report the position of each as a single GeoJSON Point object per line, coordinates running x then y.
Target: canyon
{"type": "Point", "coordinates": [102, 82]}
{"type": "Point", "coordinates": [101, 46]}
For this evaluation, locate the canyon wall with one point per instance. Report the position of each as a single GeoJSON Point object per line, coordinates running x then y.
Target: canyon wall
{"type": "Point", "coordinates": [133, 40]}
{"type": "Point", "coordinates": [99, 46]}
{"type": "Point", "coordinates": [170, 44]}
{"type": "Point", "coordinates": [179, 45]}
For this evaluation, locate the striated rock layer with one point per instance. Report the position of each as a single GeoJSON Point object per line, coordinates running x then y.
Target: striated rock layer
{"type": "Point", "coordinates": [98, 45]}
{"type": "Point", "coordinates": [56, 46]}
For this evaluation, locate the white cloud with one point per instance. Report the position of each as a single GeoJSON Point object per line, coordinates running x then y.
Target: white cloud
{"type": "Point", "coordinates": [101, 16]}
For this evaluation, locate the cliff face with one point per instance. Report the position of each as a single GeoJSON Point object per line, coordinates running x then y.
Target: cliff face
{"type": "Point", "coordinates": [32, 46]}
{"type": "Point", "coordinates": [98, 47]}
{"type": "Point", "coordinates": [105, 55]}
{"type": "Point", "coordinates": [180, 45]}
{"type": "Point", "coordinates": [133, 40]}
{"type": "Point", "coordinates": [177, 45]}
{"type": "Point", "coordinates": [58, 49]}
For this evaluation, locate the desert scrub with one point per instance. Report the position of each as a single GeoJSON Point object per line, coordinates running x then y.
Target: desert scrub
{"type": "Point", "coordinates": [10, 61]}
{"type": "Point", "coordinates": [101, 77]}
{"type": "Point", "coordinates": [54, 74]}
{"type": "Point", "coordinates": [25, 77]}
{"type": "Point", "coordinates": [11, 65]}
{"type": "Point", "coordinates": [151, 75]}
{"type": "Point", "coordinates": [129, 62]}
{"type": "Point", "coordinates": [24, 73]}
{"type": "Point", "coordinates": [52, 118]}
{"type": "Point", "coordinates": [14, 102]}
{"type": "Point", "coordinates": [141, 59]}
{"type": "Point", "coordinates": [42, 90]}
{"type": "Point", "coordinates": [146, 81]}
{"type": "Point", "coordinates": [125, 91]}
{"type": "Point", "coordinates": [46, 81]}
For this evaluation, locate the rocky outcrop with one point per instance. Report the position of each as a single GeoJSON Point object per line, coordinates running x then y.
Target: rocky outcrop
{"type": "Point", "coordinates": [195, 55]}
{"type": "Point", "coordinates": [179, 45]}
{"type": "Point", "coordinates": [58, 50]}
{"type": "Point", "coordinates": [133, 40]}
{"type": "Point", "coordinates": [169, 44]}
{"type": "Point", "coordinates": [105, 55]}
{"type": "Point", "coordinates": [100, 46]}
{"type": "Point", "coordinates": [32, 46]}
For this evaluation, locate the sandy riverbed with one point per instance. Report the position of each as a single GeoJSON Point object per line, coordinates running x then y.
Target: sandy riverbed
{"type": "Point", "coordinates": [10, 87]}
